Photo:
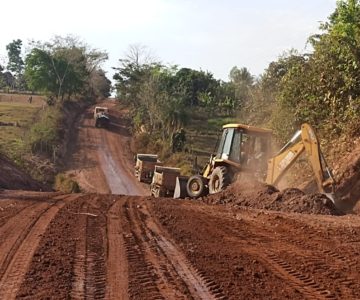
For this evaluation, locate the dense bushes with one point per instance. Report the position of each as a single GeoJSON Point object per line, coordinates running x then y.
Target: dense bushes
{"type": "Point", "coordinates": [66, 184]}
{"type": "Point", "coordinates": [321, 87]}
{"type": "Point", "coordinates": [45, 134]}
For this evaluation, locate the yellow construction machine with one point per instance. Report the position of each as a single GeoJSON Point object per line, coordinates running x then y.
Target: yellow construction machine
{"type": "Point", "coordinates": [244, 148]}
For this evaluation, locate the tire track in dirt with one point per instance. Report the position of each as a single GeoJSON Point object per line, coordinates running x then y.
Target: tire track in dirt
{"type": "Point", "coordinates": [117, 265]}
{"type": "Point", "coordinates": [141, 274]}
{"type": "Point", "coordinates": [79, 267]}
{"type": "Point", "coordinates": [317, 259]}
{"type": "Point", "coordinates": [95, 280]}
{"type": "Point", "coordinates": [199, 286]}
{"type": "Point", "coordinates": [20, 253]}
{"type": "Point", "coordinates": [274, 259]}
{"type": "Point", "coordinates": [173, 277]}
{"type": "Point", "coordinates": [51, 271]}
{"type": "Point", "coordinates": [6, 216]}
{"type": "Point", "coordinates": [308, 266]}
{"type": "Point", "coordinates": [15, 230]}
{"type": "Point", "coordinates": [89, 280]}
{"type": "Point", "coordinates": [321, 264]}
{"type": "Point", "coordinates": [303, 283]}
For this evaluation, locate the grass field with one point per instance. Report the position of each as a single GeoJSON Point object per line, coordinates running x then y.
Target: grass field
{"type": "Point", "coordinates": [17, 110]}
{"type": "Point", "coordinates": [22, 98]}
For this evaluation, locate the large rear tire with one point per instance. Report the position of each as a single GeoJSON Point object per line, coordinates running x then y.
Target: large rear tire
{"type": "Point", "coordinates": [196, 186]}
{"type": "Point", "coordinates": [219, 180]}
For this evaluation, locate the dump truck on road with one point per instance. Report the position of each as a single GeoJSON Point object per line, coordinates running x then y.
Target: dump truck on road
{"type": "Point", "coordinates": [101, 117]}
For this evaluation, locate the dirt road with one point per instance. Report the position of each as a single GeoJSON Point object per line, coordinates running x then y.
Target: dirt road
{"type": "Point", "coordinates": [100, 245]}
{"type": "Point", "coordinates": [91, 246]}
{"type": "Point", "coordinates": [100, 158]}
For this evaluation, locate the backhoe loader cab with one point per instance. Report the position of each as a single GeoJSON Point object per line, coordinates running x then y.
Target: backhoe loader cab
{"type": "Point", "coordinates": [241, 148]}
{"type": "Point", "coordinates": [244, 146]}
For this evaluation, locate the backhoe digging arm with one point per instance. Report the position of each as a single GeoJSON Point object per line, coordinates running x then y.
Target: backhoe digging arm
{"type": "Point", "coordinates": [305, 140]}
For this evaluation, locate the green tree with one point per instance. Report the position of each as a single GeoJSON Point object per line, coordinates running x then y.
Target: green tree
{"type": "Point", "coordinates": [242, 81]}
{"type": "Point", "coordinates": [15, 62]}
{"type": "Point", "coordinates": [2, 79]}
{"type": "Point", "coordinates": [193, 83]}
{"type": "Point", "coordinates": [241, 76]}
{"type": "Point", "coordinates": [322, 87]}
{"type": "Point", "coordinates": [99, 84]}
{"type": "Point", "coordinates": [64, 67]}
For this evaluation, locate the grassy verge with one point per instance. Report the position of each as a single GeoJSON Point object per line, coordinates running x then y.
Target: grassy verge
{"type": "Point", "coordinates": [13, 139]}
{"type": "Point", "coordinates": [37, 138]}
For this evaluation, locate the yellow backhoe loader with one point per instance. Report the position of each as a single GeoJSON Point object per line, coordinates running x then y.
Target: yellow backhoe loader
{"type": "Point", "coordinates": [244, 148]}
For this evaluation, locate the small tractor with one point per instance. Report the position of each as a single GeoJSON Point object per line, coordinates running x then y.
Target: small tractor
{"type": "Point", "coordinates": [101, 117]}
{"type": "Point", "coordinates": [244, 148]}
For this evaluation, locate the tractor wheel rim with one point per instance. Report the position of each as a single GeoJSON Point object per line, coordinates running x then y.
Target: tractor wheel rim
{"type": "Point", "coordinates": [195, 186]}
{"type": "Point", "coordinates": [216, 183]}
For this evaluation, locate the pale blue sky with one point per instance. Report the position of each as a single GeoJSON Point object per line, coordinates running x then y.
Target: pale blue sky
{"type": "Point", "coordinates": [209, 35]}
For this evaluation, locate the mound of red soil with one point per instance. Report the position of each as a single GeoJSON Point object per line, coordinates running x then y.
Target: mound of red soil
{"type": "Point", "coordinates": [348, 177]}
{"type": "Point", "coordinates": [12, 178]}
{"type": "Point", "coordinates": [256, 195]}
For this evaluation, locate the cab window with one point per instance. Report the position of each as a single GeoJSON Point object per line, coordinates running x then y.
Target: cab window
{"type": "Point", "coordinates": [225, 143]}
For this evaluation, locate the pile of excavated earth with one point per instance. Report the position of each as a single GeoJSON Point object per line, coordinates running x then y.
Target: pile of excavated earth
{"type": "Point", "coordinates": [348, 179]}
{"type": "Point", "coordinates": [247, 192]}
{"type": "Point", "coordinates": [253, 194]}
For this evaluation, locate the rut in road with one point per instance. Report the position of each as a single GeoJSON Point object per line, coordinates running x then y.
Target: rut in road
{"type": "Point", "coordinates": [156, 265]}
{"type": "Point", "coordinates": [20, 245]}
{"type": "Point", "coordinates": [117, 265]}
{"type": "Point", "coordinates": [109, 247]}
{"type": "Point", "coordinates": [265, 249]}
{"type": "Point", "coordinates": [89, 281]}
{"type": "Point", "coordinates": [283, 255]}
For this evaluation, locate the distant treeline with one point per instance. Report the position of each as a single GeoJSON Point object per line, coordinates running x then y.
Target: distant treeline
{"type": "Point", "coordinates": [61, 68]}
{"type": "Point", "coordinates": [321, 87]}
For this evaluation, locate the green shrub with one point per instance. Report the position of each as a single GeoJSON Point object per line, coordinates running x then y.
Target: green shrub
{"type": "Point", "coordinates": [44, 135]}
{"type": "Point", "coordinates": [66, 184]}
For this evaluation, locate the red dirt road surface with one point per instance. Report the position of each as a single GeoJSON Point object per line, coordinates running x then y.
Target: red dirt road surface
{"type": "Point", "coordinates": [100, 159]}
{"type": "Point", "coordinates": [101, 245]}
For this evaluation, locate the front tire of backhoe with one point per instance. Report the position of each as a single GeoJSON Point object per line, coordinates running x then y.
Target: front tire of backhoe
{"type": "Point", "coordinates": [196, 187]}
{"type": "Point", "coordinates": [219, 180]}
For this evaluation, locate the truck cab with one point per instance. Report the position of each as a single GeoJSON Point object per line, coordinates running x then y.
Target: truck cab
{"type": "Point", "coordinates": [101, 116]}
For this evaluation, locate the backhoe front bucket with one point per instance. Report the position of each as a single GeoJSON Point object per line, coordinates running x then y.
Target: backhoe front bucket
{"type": "Point", "coordinates": [180, 187]}
{"type": "Point", "coordinates": [331, 196]}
